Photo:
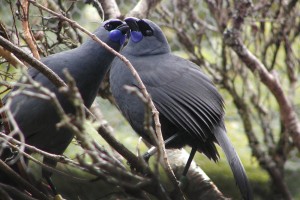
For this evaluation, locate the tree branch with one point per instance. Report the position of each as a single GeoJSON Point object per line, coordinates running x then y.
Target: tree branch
{"type": "Point", "coordinates": [111, 9]}
{"type": "Point", "coordinates": [22, 55]}
{"type": "Point", "coordinates": [27, 32]}
{"type": "Point", "coordinates": [143, 8]}
{"type": "Point", "coordinates": [13, 192]}
{"type": "Point", "coordinates": [288, 116]}
{"type": "Point", "coordinates": [207, 190]}
{"type": "Point", "coordinates": [11, 58]}
{"type": "Point", "coordinates": [7, 170]}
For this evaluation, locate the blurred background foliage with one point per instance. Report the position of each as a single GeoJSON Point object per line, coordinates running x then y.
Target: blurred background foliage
{"type": "Point", "coordinates": [268, 33]}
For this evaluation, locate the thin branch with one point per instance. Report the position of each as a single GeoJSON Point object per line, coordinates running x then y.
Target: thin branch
{"type": "Point", "coordinates": [287, 113]}
{"type": "Point", "coordinates": [111, 9]}
{"type": "Point", "coordinates": [4, 194]}
{"type": "Point", "coordinates": [33, 149]}
{"type": "Point", "coordinates": [21, 54]}
{"type": "Point", "coordinates": [11, 58]}
{"type": "Point", "coordinates": [12, 174]}
{"type": "Point", "coordinates": [27, 32]}
{"type": "Point", "coordinates": [6, 125]}
{"type": "Point", "coordinates": [143, 8]}
{"type": "Point", "coordinates": [41, 67]}
{"type": "Point", "coordinates": [263, 158]}
{"type": "Point", "coordinates": [98, 7]}
{"type": "Point", "coordinates": [12, 191]}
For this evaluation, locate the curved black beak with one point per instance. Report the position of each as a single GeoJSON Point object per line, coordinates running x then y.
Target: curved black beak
{"type": "Point", "coordinates": [124, 28]}
{"type": "Point", "coordinates": [132, 23]}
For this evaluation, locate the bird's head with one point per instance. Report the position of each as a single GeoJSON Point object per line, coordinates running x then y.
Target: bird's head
{"type": "Point", "coordinates": [113, 31]}
{"type": "Point", "coordinates": [146, 37]}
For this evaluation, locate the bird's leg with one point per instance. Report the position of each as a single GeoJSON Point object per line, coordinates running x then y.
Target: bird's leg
{"type": "Point", "coordinates": [50, 183]}
{"type": "Point", "coordinates": [149, 153]}
{"type": "Point", "coordinates": [47, 174]}
{"type": "Point", "coordinates": [153, 149]}
{"type": "Point", "coordinates": [188, 163]}
{"type": "Point", "coordinates": [183, 179]}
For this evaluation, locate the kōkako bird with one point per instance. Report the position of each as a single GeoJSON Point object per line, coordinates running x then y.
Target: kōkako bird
{"type": "Point", "coordinates": [87, 64]}
{"type": "Point", "coordinates": [191, 110]}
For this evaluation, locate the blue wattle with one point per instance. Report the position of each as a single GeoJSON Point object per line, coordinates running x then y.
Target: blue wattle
{"type": "Point", "coordinates": [136, 36]}
{"type": "Point", "coordinates": [115, 35]}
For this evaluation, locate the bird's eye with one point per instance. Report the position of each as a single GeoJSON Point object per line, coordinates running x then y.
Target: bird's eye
{"type": "Point", "coordinates": [145, 28]}
{"type": "Point", "coordinates": [108, 26]}
{"type": "Point", "coordinates": [113, 24]}
{"type": "Point", "coordinates": [148, 32]}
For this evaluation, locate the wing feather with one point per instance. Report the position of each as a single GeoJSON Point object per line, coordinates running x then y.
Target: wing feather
{"type": "Point", "coordinates": [183, 94]}
{"type": "Point", "coordinates": [176, 113]}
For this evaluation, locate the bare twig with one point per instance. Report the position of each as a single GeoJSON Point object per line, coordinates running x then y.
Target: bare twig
{"type": "Point", "coordinates": [11, 58]}
{"type": "Point", "coordinates": [13, 192]}
{"type": "Point", "coordinates": [288, 116]}
{"type": "Point", "coordinates": [7, 170]}
{"type": "Point", "coordinates": [143, 8]}
{"type": "Point", "coordinates": [4, 117]}
{"type": "Point", "coordinates": [21, 54]}
{"type": "Point", "coordinates": [98, 7]}
{"type": "Point", "coordinates": [27, 32]}
{"type": "Point", "coordinates": [233, 39]}
{"type": "Point", "coordinates": [4, 194]}
{"type": "Point", "coordinates": [111, 9]}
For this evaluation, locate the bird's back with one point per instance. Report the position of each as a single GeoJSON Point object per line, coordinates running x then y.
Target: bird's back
{"type": "Point", "coordinates": [36, 117]}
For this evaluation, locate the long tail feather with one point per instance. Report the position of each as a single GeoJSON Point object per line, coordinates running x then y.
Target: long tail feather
{"type": "Point", "coordinates": [235, 163]}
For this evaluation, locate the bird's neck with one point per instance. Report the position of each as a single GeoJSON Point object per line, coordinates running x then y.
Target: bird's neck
{"type": "Point", "coordinates": [96, 54]}
{"type": "Point", "coordinates": [94, 62]}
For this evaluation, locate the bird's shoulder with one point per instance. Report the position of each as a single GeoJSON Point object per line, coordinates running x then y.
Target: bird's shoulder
{"type": "Point", "coordinates": [56, 62]}
{"type": "Point", "coordinates": [166, 69]}
{"type": "Point", "coordinates": [162, 69]}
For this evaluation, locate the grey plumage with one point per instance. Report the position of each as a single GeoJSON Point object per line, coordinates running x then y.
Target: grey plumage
{"type": "Point", "coordinates": [87, 64]}
{"type": "Point", "coordinates": [234, 162]}
{"type": "Point", "coordinates": [189, 104]}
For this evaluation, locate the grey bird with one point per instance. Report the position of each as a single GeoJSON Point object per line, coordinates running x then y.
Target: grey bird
{"type": "Point", "coordinates": [191, 109]}
{"type": "Point", "coordinates": [87, 64]}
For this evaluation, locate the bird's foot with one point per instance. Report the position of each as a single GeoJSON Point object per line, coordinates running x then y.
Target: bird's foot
{"type": "Point", "coordinates": [51, 185]}
{"type": "Point", "coordinates": [146, 157]}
